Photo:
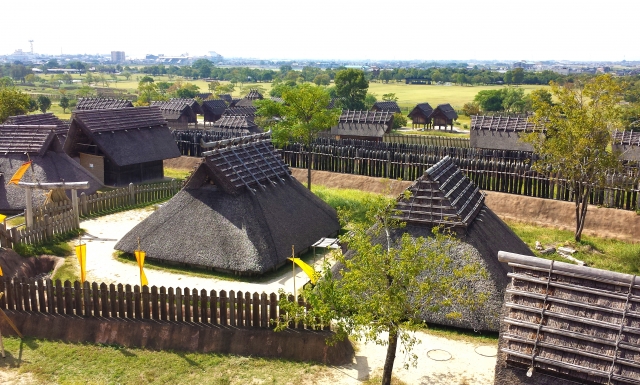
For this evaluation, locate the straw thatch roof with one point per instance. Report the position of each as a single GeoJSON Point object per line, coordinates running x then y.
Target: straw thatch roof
{"type": "Point", "coordinates": [571, 324]}
{"type": "Point", "coordinates": [373, 124]}
{"type": "Point", "coordinates": [445, 110]}
{"type": "Point", "coordinates": [423, 109]}
{"type": "Point", "coordinates": [48, 119]}
{"type": "Point", "coordinates": [244, 102]}
{"type": "Point", "coordinates": [226, 97]}
{"type": "Point", "coordinates": [191, 102]}
{"type": "Point", "coordinates": [213, 109]}
{"type": "Point", "coordinates": [241, 212]}
{"type": "Point", "coordinates": [254, 95]}
{"type": "Point", "coordinates": [48, 165]}
{"type": "Point", "coordinates": [176, 110]}
{"type": "Point", "coordinates": [248, 111]}
{"type": "Point", "coordinates": [101, 103]}
{"type": "Point", "coordinates": [386, 106]}
{"type": "Point", "coordinates": [444, 197]}
{"type": "Point", "coordinates": [242, 124]}
{"type": "Point", "coordinates": [629, 138]}
{"type": "Point", "coordinates": [125, 136]}
{"type": "Point", "coordinates": [502, 123]}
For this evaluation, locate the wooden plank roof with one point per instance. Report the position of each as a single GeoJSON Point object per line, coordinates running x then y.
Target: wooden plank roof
{"type": "Point", "coordinates": [571, 321]}
{"type": "Point", "coordinates": [446, 110]}
{"type": "Point", "coordinates": [101, 103]}
{"type": "Point", "coordinates": [502, 123]}
{"type": "Point", "coordinates": [248, 111]}
{"type": "Point", "coordinates": [251, 165]}
{"type": "Point", "coordinates": [386, 106]}
{"type": "Point", "coordinates": [20, 139]}
{"type": "Point", "coordinates": [381, 117]}
{"type": "Point", "coordinates": [48, 119]}
{"type": "Point", "coordinates": [442, 196]}
{"type": "Point", "coordinates": [631, 138]}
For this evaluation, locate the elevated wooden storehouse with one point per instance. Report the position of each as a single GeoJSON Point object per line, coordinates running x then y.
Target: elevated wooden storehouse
{"type": "Point", "coordinates": [47, 119]}
{"type": "Point", "coordinates": [176, 111]}
{"type": "Point", "coordinates": [443, 116]}
{"type": "Point", "coordinates": [628, 144]}
{"type": "Point", "coordinates": [213, 109]}
{"type": "Point", "coordinates": [500, 132]}
{"type": "Point", "coordinates": [386, 106]}
{"type": "Point", "coordinates": [195, 106]}
{"type": "Point", "coordinates": [565, 324]}
{"type": "Point", "coordinates": [121, 146]}
{"type": "Point", "coordinates": [240, 212]}
{"type": "Point", "coordinates": [236, 124]}
{"type": "Point", "coordinates": [421, 115]}
{"type": "Point", "coordinates": [21, 143]}
{"type": "Point", "coordinates": [443, 196]}
{"type": "Point", "coordinates": [101, 104]}
{"type": "Point", "coordinates": [366, 125]}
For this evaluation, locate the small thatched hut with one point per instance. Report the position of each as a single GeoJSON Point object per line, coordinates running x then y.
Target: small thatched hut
{"type": "Point", "coordinates": [240, 212]}
{"type": "Point", "coordinates": [443, 116]}
{"type": "Point", "coordinates": [628, 144]}
{"type": "Point", "coordinates": [101, 104]}
{"type": "Point", "coordinates": [445, 197]}
{"type": "Point", "coordinates": [244, 102]}
{"type": "Point", "coordinates": [240, 124]}
{"type": "Point", "coordinates": [254, 95]}
{"type": "Point", "coordinates": [421, 115]}
{"type": "Point", "coordinates": [176, 111]}
{"type": "Point", "coordinates": [386, 106]}
{"type": "Point", "coordinates": [213, 109]}
{"type": "Point", "coordinates": [366, 125]}
{"type": "Point", "coordinates": [564, 324]}
{"type": "Point", "coordinates": [121, 146]}
{"type": "Point", "coordinates": [19, 144]}
{"type": "Point", "coordinates": [195, 106]}
{"type": "Point", "coordinates": [47, 119]}
{"type": "Point", "coordinates": [500, 132]}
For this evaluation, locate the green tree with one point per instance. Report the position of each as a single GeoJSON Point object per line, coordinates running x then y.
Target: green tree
{"type": "Point", "coordinates": [489, 100]}
{"type": "Point", "coordinates": [322, 79]}
{"type": "Point", "coordinates": [44, 103]}
{"type": "Point", "coordinates": [64, 103]}
{"type": "Point", "coordinates": [471, 108]}
{"type": "Point", "coordinates": [390, 97]}
{"type": "Point", "coordinates": [369, 101]}
{"type": "Point", "coordinates": [399, 121]}
{"type": "Point", "coordinates": [301, 117]}
{"type": "Point", "coordinates": [518, 75]}
{"type": "Point", "coordinates": [508, 77]}
{"type": "Point", "coordinates": [12, 102]}
{"type": "Point", "coordinates": [383, 288]}
{"type": "Point", "coordinates": [351, 86]}
{"type": "Point", "coordinates": [127, 75]}
{"type": "Point", "coordinates": [513, 100]}
{"type": "Point", "coordinates": [577, 137]}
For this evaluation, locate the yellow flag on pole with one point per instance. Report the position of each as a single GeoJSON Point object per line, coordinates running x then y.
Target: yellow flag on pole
{"type": "Point", "coordinates": [308, 270]}
{"type": "Point", "coordinates": [81, 253]}
{"type": "Point", "coordinates": [2, 217]}
{"type": "Point", "coordinates": [140, 258]}
{"type": "Point", "coordinates": [19, 173]}
{"type": "Point", "coordinates": [1, 273]}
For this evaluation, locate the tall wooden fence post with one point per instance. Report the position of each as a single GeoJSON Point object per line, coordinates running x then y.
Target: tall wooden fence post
{"type": "Point", "coordinates": [132, 194]}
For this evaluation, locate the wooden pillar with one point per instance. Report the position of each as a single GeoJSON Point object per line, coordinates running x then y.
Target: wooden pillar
{"type": "Point", "coordinates": [76, 211]}
{"type": "Point", "coordinates": [28, 216]}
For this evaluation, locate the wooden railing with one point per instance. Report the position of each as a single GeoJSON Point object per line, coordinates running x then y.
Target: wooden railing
{"type": "Point", "coordinates": [239, 309]}
{"type": "Point", "coordinates": [133, 195]}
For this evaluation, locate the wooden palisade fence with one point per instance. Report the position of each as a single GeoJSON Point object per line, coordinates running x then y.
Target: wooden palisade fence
{"type": "Point", "coordinates": [238, 309]}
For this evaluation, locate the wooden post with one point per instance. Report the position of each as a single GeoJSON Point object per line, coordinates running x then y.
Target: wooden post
{"type": "Point", "coordinates": [223, 307]}
{"type": "Point", "coordinates": [204, 306]}
{"type": "Point", "coordinates": [247, 309]}
{"type": "Point", "coordinates": [213, 305]}
{"type": "Point", "coordinates": [76, 211]}
{"type": "Point", "coordinates": [28, 215]}
{"type": "Point", "coordinates": [84, 204]}
{"type": "Point", "coordinates": [132, 195]}
{"type": "Point", "coordinates": [232, 308]}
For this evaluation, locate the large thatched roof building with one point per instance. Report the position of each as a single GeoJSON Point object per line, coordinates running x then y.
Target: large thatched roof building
{"type": "Point", "coordinates": [500, 132]}
{"type": "Point", "coordinates": [567, 324]}
{"type": "Point", "coordinates": [121, 146]}
{"type": "Point", "coordinates": [240, 212]}
{"type": "Point", "coordinates": [628, 144]}
{"type": "Point", "coordinates": [19, 144]}
{"type": "Point", "coordinates": [445, 197]}
{"type": "Point", "coordinates": [366, 125]}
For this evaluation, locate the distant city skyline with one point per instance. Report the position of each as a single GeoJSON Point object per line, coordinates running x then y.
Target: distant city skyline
{"type": "Point", "coordinates": [331, 29]}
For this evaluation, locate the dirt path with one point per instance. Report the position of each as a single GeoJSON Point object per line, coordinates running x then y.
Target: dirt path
{"type": "Point", "coordinates": [465, 366]}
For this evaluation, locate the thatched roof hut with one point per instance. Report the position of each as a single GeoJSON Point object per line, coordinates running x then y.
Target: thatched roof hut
{"type": "Point", "coordinates": [241, 124]}
{"type": "Point", "coordinates": [366, 125]}
{"type": "Point", "coordinates": [241, 111]}
{"type": "Point", "coordinates": [500, 132]}
{"type": "Point", "coordinates": [386, 106]}
{"type": "Point", "coordinates": [628, 143]}
{"type": "Point", "coordinates": [254, 95]}
{"type": "Point", "coordinates": [240, 212]}
{"type": "Point", "coordinates": [244, 102]}
{"type": "Point", "coordinates": [213, 109]}
{"type": "Point", "coordinates": [48, 119]}
{"type": "Point", "coordinates": [445, 197]}
{"type": "Point", "coordinates": [568, 324]}
{"type": "Point", "coordinates": [176, 111]}
{"type": "Point", "coordinates": [19, 144]}
{"type": "Point", "coordinates": [421, 115]}
{"type": "Point", "coordinates": [101, 104]}
{"type": "Point", "coordinates": [121, 146]}
{"type": "Point", "coordinates": [197, 109]}
{"type": "Point", "coordinates": [443, 115]}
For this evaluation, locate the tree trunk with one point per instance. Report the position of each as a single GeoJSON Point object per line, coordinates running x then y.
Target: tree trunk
{"type": "Point", "coordinates": [582, 204]}
{"type": "Point", "coordinates": [391, 355]}
{"type": "Point", "coordinates": [308, 168]}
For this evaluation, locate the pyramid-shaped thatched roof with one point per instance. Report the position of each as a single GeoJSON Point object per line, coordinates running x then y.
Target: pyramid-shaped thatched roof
{"type": "Point", "coordinates": [241, 212]}
{"type": "Point", "coordinates": [19, 144]}
{"type": "Point", "coordinates": [502, 123]}
{"type": "Point", "coordinates": [254, 95]}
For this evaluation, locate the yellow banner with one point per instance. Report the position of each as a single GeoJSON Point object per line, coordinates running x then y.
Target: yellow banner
{"type": "Point", "coordinates": [18, 175]}
{"type": "Point", "coordinates": [81, 253]}
{"type": "Point", "coordinates": [140, 258]}
{"type": "Point", "coordinates": [1, 273]}
{"type": "Point", "coordinates": [308, 270]}
{"type": "Point", "coordinates": [2, 217]}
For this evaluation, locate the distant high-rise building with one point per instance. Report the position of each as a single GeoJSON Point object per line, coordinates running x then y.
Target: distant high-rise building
{"type": "Point", "coordinates": [117, 56]}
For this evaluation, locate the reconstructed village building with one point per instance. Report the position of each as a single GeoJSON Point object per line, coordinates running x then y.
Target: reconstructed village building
{"type": "Point", "coordinates": [101, 104]}
{"type": "Point", "coordinates": [627, 143]}
{"type": "Point", "coordinates": [500, 132]}
{"type": "Point", "coordinates": [421, 115]}
{"type": "Point", "coordinates": [366, 125]}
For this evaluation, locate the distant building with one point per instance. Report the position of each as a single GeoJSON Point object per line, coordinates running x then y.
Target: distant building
{"type": "Point", "coordinates": [117, 56]}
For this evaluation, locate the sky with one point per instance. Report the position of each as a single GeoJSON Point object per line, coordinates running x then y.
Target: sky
{"type": "Point", "coordinates": [329, 29]}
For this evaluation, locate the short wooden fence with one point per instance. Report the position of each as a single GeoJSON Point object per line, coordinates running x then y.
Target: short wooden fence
{"type": "Point", "coordinates": [233, 308]}
{"type": "Point", "coordinates": [120, 198]}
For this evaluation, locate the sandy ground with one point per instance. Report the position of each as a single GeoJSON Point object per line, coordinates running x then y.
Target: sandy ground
{"type": "Point", "coordinates": [465, 365]}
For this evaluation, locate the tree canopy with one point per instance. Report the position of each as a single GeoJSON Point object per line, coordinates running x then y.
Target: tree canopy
{"type": "Point", "coordinates": [13, 102]}
{"type": "Point", "coordinates": [44, 103]}
{"type": "Point", "coordinates": [577, 137]}
{"type": "Point", "coordinates": [351, 85]}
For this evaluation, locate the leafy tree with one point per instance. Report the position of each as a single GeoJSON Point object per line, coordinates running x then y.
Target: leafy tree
{"type": "Point", "coordinates": [351, 86]}
{"type": "Point", "coordinates": [369, 101]}
{"type": "Point", "coordinates": [399, 121]}
{"type": "Point", "coordinates": [471, 108]}
{"type": "Point", "coordinates": [12, 102]}
{"type": "Point", "coordinates": [85, 91]}
{"type": "Point", "coordinates": [390, 97]}
{"type": "Point", "coordinates": [213, 86]}
{"type": "Point", "coordinates": [388, 280]}
{"type": "Point", "coordinates": [518, 75]}
{"type": "Point", "coordinates": [513, 99]}
{"type": "Point", "coordinates": [127, 75]}
{"type": "Point", "coordinates": [489, 100]}
{"type": "Point", "coordinates": [64, 103]}
{"type": "Point", "coordinates": [301, 117]}
{"type": "Point", "coordinates": [322, 79]}
{"type": "Point", "coordinates": [508, 77]}
{"type": "Point", "coordinates": [6, 82]}
{"type": "Point", "coordinates": [577, 137]}
{"type": "Point", "coordinates": [44, 103]}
